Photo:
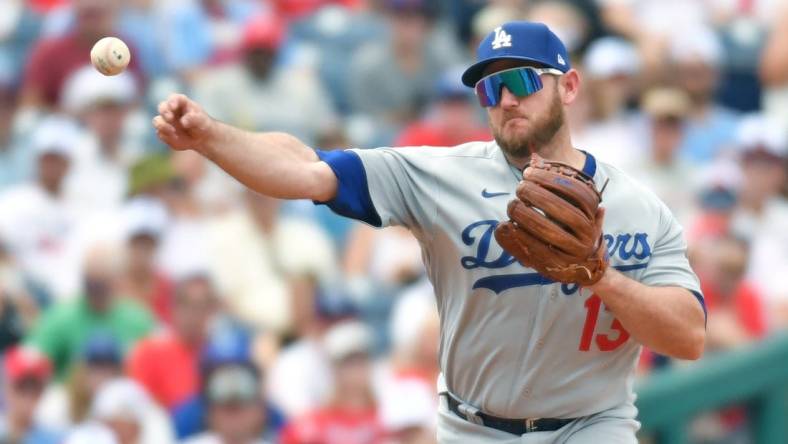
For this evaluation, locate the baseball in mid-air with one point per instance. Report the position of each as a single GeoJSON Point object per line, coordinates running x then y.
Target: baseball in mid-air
{"type": "Point", "coordinates": [110, 56]}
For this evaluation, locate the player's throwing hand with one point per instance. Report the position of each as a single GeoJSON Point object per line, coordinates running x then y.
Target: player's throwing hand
{"type": "Point", "coordinates": [182, 124]}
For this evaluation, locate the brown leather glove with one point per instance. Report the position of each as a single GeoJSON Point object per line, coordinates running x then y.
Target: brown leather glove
{"type": "Point", "coordinates": [555, 224]}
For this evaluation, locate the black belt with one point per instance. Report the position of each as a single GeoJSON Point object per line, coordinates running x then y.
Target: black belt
{"type": "Point", "coordinates": [513, 426]}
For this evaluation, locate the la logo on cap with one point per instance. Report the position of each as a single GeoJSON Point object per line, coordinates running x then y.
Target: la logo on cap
{"type": "Point", "coordinates": [502, 39]}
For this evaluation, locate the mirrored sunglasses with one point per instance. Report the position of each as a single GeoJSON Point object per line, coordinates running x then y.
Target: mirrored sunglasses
{"type": "Point", "coordinates": [521, 82]}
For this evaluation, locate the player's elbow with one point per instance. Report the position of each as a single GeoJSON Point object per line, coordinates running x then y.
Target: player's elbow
{"type": "Point", "coordinates": [692, 349]}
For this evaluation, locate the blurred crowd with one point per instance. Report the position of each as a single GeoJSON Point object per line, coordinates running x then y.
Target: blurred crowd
{"type": "Point", "coordinates": [147, 298]}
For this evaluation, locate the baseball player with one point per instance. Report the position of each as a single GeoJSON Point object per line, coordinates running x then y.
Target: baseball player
{"type": "Point", "coordinates": [550, 269]}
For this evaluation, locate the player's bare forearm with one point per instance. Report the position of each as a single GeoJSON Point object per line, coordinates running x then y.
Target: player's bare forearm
{"type": "Point", "coordinates": [668, 320]}
{"type": "Point", "coordinates": [274, 164]}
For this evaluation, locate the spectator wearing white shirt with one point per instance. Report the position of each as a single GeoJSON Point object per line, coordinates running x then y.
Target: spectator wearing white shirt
{"type": "Point", "coordinates": [609, 130]}
{"type": "Point", "coordinates": [103, 105]}
{"type": "Point", "coordinates": [37, 221]}
{"type": "Point", "coordinates": [762, 215]}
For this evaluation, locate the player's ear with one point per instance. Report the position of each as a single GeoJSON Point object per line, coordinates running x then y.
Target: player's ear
{"type": "Point", "coordinates": [569, 86]}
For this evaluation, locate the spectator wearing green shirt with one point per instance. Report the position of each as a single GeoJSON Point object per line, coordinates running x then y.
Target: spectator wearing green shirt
{"type": "Point", "coordinates": [63, 330]}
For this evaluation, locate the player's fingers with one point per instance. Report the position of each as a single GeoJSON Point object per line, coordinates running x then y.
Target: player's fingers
{"type": "Point", "coordinates": [161, 125]}
{"type": "Point", "coordinates": [177, 103]}
{"type": "Point", "coordinates": [164, 112]}
{"type": "Point", "coordinates": [193, 120]}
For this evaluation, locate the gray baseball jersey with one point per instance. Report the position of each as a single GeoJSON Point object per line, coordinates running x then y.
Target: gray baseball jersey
{"type": "Point", "coordinates": [513, 343]}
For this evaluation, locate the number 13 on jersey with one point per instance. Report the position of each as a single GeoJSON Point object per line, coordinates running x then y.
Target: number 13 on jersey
{"type": "Point", "coordinates": [605, 341]}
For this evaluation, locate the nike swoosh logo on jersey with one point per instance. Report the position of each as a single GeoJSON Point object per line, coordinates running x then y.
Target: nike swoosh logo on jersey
{"type": "Point", "coordinates": [487, 195]}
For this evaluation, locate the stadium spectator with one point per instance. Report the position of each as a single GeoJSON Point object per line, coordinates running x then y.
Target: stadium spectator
{"type": "Point", "coordinates": [405, 383]}
{"type": "Point", "coordinates": [610, 130]}
{"type": "Point", "coordinates": [717, 196]}
{"type": "Point", "coordinates": [254, 252]}
{"type": "Point", "coordinates": [737, 315]}
{"type": "Point", "coordinates": [661, 168]}
{"type": "Point", "coordinates": [450, 120]}
{"type": "Point", "coordinates": [37, 222]}
{"type": "Point", "coordinates": [53, 60]}
{"type": "Point", "coordinates": [167, 363]}
{"type": "Point", "coordinates": [145, 218]}
{"type": "Point", "coordinates": [299, 378]}
{"type": "Point", "coordinates": [102, 159]}
{"type": "Point", "coordinates": [393, 81]}
{"type": "Point", "coordinates": [235, 411]}
{"type": "Point", "coordinates": [68, 403]}
{"type": "Point", "coordinates": [26, 373]}
{"type": "Point", "coordinates": [261, 93]}
{"type": "Point", "coordinates": [64, 329]}
{"type": "Point", "coordinates": [696, 59]}
{"type": "Point", "coordinates": [122, 413]}
{"type": "Point", "coordinates": [184, 244]}
{"type": "Point", "coordinates": [350, 416]}
{"type": "Point", "coordinates": [762, 214]}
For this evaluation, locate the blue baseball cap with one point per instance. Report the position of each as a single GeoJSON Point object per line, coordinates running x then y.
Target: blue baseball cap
{"type": "Point", "coordinates": [527, 41]}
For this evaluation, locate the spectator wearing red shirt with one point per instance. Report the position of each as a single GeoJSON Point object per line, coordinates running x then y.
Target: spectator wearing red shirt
{"type": "Point", "coordinates": [146, 219]}
{"type": "Point", "coordinates": [451, 120]}
{"type": "Point", "coordinates": [736, 310]}
{"type": "Point", "coordinates": [167, 364]}
{"type": "Point", "coordinates": [53, 60]}
{"type": "Point", "coordinates": [351, 415]}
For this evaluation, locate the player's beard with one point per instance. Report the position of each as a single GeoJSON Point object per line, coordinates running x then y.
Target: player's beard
{"type": "Point", "coordinates": [542, 131]}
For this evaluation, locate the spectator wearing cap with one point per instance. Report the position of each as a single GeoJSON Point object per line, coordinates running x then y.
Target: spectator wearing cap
{"type": "Point", "coordinates": [392, 81]}
{"type": "Point", "coordinates": [262, 94]}
{"type": "Point", "coordinates": [122, 413]}
{"type": "Point", "coordinates": [26, 373]}
{"type": "Point", "coordinates": [608, 129]}
{"type": "Point", "coordinates": [64, 329]}
{"type": "Point", "coordinates": [103, 105]}
{"type": "Point", "coordinates": [762, 213]}
{"type": "Point", "coordinates": [167, 363]}
{"type": "Point", "coordinates": [236, 412]}
{"type": "Point", "coordinates": [53, 60]}
{"type": "Point", "coordinates": [37, 221]}
{"type": "Point", "coordinates": [451, 119]}
{"type": "Point", "coordinates": [228, 346]}
{"type": "Point", "coordinates": [662, 170]}
{"type": "Point", "coordinates": [717, 197]}
{"type": "Point", "coordinates": [696, 58]}
{"type": "Point", "coordinates": [350, 416]}
{"type": "Point", "coordinates": [142, 280]}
